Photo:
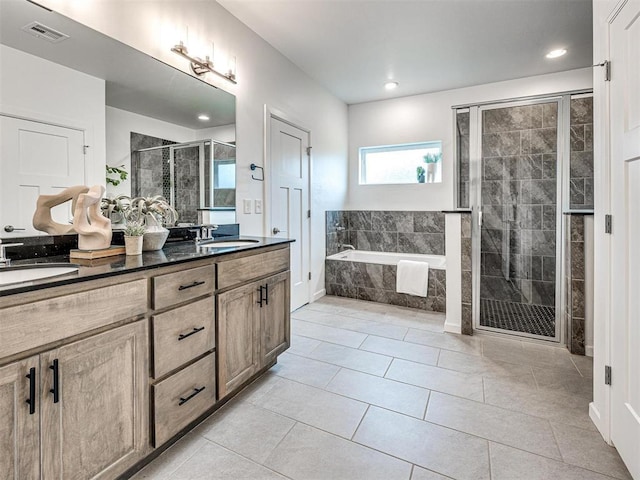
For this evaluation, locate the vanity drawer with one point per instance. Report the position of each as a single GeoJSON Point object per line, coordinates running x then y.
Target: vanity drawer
{"type": "Point", "coordinates": [178, 287]}
{"type": "Point", "coordinates": [39, 323]}
{"type": "Point", "coordinates": [182, 334]}
{"type": "Point", "coordinates": [183, 397]}
{"type": "Point", "coordinates": [244, 269]}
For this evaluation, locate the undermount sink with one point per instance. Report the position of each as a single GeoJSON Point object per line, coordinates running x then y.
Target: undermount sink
{"type": "Point", "coordinates": [227, 243]}
{"type": "Point", "coordinates": [28, 273]}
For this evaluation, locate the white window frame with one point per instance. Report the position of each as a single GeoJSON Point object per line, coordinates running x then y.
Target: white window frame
{"type": "Point", "coordinates": [363, 151]}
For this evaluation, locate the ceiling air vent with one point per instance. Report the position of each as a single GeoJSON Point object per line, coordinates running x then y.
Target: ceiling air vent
{"type": "Point", "coordinates": [42, 31]}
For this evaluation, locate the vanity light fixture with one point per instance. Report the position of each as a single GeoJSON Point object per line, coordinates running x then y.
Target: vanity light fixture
{"type": "Point", "coordinates": [200, 67]}
{"type": "Point", "coordinates": [203, 117]}
{"type": "Point", "coordinates": [391, 85]}
{"type": "Point", "coordinates": [556, 53]}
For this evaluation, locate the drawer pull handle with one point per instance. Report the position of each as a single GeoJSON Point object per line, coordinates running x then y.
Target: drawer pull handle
{"type": "Point", "coordinates": [56, 379]}
{"type": "Point", "coordinates": [184, 400]}
{"type": "Point", "coordinates": [259, 302]}
{"type": "Point", "coordinates": [32, 391]}
{"type": "Point", "coordinates": [191, 285]}
{"type": "Point", "coordinates": [182, 336]}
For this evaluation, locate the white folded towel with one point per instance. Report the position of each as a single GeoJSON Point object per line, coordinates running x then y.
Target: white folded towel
{"type": "Point", "coordinates": [412, 278]}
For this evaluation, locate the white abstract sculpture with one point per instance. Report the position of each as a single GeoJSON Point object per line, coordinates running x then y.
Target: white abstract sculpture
{"type": "Point", "coordinates": [42, 217]}
{"type": "Point", "coordinates": [93, 228]}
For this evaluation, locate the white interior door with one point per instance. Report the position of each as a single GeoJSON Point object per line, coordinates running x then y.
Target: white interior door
{"type": "Point", "coordinates": [36, 159]}
{"type": "Point", "coordinates": [625, 201]}
{"type": "Point", "coordinates": [289, 214]}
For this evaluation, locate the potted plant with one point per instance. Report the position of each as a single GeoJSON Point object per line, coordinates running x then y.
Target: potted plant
{"type": "Point", "coordinates": [420, 174]}
{"type": "Point", "coordinates": [115, 209]}
{"type": "Point", "coordinates": [432, 159]}
{"type": "Point", "coordinates": [133, 236]}
{"type": "Point", "coordinates": [155, 213]}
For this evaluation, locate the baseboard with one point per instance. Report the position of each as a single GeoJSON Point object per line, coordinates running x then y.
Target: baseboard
{"type": "Point", "coordinates": [318, 295]}
{"type": "Point", "coordinates": [452, 327]}
{"type": "Point", "coordinates": [588, 351]}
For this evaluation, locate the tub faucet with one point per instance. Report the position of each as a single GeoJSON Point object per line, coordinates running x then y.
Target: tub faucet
{"type": "Point", "coordinates": [4, 261]}
{"type": "Point", "coordinates": [346, 245]}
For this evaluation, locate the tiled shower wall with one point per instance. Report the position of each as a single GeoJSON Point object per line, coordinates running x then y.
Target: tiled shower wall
{"type": "Point", "coordinates": [149, 170]}
{"type": "Point", "coordinates": [519, 204]}
{"type": "Point", "coordinates": [575, 283]}
{"type": "Point", "coordinates": [384, 231]}
{"type": "Point", "coordinates": [581, 162]}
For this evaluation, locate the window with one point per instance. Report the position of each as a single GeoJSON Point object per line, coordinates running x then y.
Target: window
{"type": "Point", "coordinates": [401, 164]}
{"type": "Point", "coordinates": [224, 174]}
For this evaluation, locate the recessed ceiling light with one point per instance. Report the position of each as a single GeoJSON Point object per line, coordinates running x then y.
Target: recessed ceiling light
{"type": "Point", "coordinates": [203, 117]}
{"type": "Point", "coordinates": [391, 85]}
{"type": "Point", "coordinates": [556, 53]}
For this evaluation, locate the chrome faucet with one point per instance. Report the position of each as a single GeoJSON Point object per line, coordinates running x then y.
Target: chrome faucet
{"type": "Point", "coordinates": [4, 261]}
{"type": "Point", "coordinates": [346, 245]}
{"type": "Point", "coordinates": [205, 232]}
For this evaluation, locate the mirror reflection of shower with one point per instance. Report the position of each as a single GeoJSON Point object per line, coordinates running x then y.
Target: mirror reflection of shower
{"type": "Point", "coordinates": [195, 177]}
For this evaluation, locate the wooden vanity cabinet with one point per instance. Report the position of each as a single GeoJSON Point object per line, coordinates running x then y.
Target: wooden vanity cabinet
{"type": "Point", "coordinates": [77, 411]}
{"type": "Point", "coordinates": [253, 319]}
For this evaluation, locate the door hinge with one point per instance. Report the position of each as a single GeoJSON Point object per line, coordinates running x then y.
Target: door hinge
{"type": "Point", "coordinates": [607, 375]}
{"type": "Point", "coordinates": [608, 220]}
{"type": "Point", "coordinates": [85, 148]}
{"type": "Point", "coordinates": [607, 69]}
{"type": "Point", "coordinates": [308, 213]}
{"type": "Point", "coordinates": [309, 275]}
{"type": "Point", "coordinates": [309, 151]}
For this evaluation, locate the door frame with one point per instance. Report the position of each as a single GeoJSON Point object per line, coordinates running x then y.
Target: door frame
{"type": "Point", "coordinates": [269, 114]}
{"type": "Point", "coordinates": [475, 203]}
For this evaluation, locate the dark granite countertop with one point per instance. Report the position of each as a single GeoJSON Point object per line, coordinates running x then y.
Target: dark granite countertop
{"type": "Point", "coordinates": [171, 254]}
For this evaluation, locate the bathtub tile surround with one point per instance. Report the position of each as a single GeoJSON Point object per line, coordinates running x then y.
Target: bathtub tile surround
{"type": "Point", "coordinates": [384, 231]}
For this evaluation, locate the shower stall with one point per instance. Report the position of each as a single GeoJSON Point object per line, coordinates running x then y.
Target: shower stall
{"type": "Point", "coordinates": [193, 176]}
{"type": "Point", "coordinates": [522, 167]}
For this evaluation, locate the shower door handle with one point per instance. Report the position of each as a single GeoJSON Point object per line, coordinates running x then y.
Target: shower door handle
{"type": "Point", "coordinates": [480, 217]}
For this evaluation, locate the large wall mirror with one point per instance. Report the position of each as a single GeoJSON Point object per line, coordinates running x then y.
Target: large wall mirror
{"type": "Point", "coordinates": [71, 97]}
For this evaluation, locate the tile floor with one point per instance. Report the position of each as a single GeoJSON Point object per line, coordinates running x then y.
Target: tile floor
{"type": "Point", "coordinates": [371, 391]}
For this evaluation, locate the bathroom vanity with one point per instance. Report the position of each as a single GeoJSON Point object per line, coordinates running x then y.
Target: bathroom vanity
{"type": "Point", "coordinates": [102, 369]}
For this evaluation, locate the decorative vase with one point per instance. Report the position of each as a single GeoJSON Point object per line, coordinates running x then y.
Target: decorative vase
{"type": "Point", "coordinates": [421, 178]}
{"type": "Point", "coordinates": [431, 172]}
{"type": "Point", "coordinates": [133, 245]}
{"type": "Point", "coordinates": [154, 235]}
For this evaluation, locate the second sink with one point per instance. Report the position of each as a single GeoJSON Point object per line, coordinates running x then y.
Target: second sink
{"type": "Point", "coordinates": [28, 273]}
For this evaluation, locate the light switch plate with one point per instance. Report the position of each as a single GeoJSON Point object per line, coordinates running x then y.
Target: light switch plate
{"type": "Point", "coordinates": [258, 206]}
{"type": "Point", "coordinates": [246, 203]}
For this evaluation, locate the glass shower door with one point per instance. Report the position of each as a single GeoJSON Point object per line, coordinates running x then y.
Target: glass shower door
{"type": "Point", "coordinates": [518, 201]}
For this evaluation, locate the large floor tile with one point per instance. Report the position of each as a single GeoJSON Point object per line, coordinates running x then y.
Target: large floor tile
{"type": "Point", "coordinates": [584, 365]}
{"type": "Point", "coordinates": [406, 318]}
{"type": "Point", "coordinates": [438, 379]}
{"type": "Point", "coordinates": [389, 394]}
{"type": "Point", "coordinates": [213, 462]}
{"type": "Point", "coordinates": [327, 334]}
{"type": "Point", "coordinates": [554, 406]}
{"type": "Point", "coordinates": [587, 449]}
{"type": "Point", "coordinates": [170, 460]}
{"type": "Point", "coordinates": [420, 473]}
{"type": "Point", "coordinates": [315, 407]}
{"type": "Point", "coordinates": [564, 381]}
{"type": "Point", "coordinates": [304, 370]}
{"type": "Point", "coordinates": [436, 448]}
{"type": "Point", "coordinates": [366, 362]}
{"type": "Point", "coordinates": [349, 322]}
{"type": "Point", "coordinates": [302, 345]}
{"type": "Point", "coordinates": [404, 350]}
{"type": "Point", "coordinates": [486, 367]}
{"type": "Point", "coordinates": [251, 431]}
{"type": "Point", "coordinates": [307, 453]}
{"type": "Point", "coordinates": [529, 354]}
{"type": "Point", "coordinates": [518, 430]}
{"type": "Point", "coordinates": [447, 341]}
{"type": "Point", "coordinates": [511, 464]}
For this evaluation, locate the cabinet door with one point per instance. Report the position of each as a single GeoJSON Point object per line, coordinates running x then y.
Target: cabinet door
{"type": "Point", "coordinates": [238, 327]}
{"type": "Point", "coordinates": [19, 428]}
{"type": "Point", "coordinates": [99, 425]}
{"type": "Point", "coordinates": [275, 318]}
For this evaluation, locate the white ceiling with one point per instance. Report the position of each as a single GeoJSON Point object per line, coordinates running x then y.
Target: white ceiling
{"type": "Point", "coordinates": [353, 46]}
